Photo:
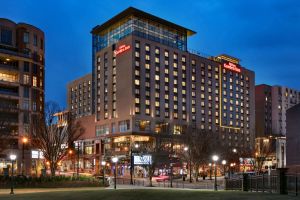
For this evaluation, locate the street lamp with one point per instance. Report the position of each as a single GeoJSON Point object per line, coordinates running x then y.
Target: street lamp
{"type": "Point", "coordinates": [24, 141]}
{"type": "Point", "coordinates": [115, 160]}
{"type": "Point", "coordinates": [12, 158]}
{"type": "Point", "coordinates": [190, 161]}
{"type": "Point", "coordinates": [215, 158]}
{"type": "Point", "coordinates": [210, 171]}
{"type": "Point", "coordinates": [103, 163]}
{"type": "Point", "coordinates": [224, 165]}
{"type": "Point", "coordinates": [132, 163]}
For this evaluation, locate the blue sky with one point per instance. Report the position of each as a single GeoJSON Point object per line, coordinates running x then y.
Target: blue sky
{"type": "Point", "coordinates": [265, 35]}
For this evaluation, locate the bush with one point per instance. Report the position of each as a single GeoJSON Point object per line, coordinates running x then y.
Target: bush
{"type": "Point", "coordinates": [48, 181]}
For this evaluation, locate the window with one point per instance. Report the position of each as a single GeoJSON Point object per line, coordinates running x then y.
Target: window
{"type": "Point", "coordinates": [34, 81]}
{"type": "Point", "coordinates": [26, 78]}
{"type": "Point", "coordinates": [26, 92]}
{"type": "Point", "coordinates": [6, 36]}
{"type": "Point", "coordinates": [142, 125]}
{"type": "Point", "coordinates": [26, 105]}
{"type": "Point", "coordinates": [26, 66]}
{"type": "Point", "coordinates": [102, 129]}
{"type": "Point", "coordinates": [26, 37]}
{"type": "Point", "coordinates": [124, 125]}
{"type": "Point", "coordinates": [35, 40]}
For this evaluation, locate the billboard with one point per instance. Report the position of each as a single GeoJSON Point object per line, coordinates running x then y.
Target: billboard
{"type": "Point", "coordinates": [142, 160]}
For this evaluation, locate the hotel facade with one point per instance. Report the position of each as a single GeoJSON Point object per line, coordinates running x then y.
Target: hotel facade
{"type": "Point", "coordinates": [144, 77]}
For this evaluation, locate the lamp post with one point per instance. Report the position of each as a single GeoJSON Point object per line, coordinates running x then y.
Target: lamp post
{"type": "Point", "coordinates": [215, 158]}
{"type": "Point", "coordinates": [224, 165]}
{"type": "Point", "coordinates": [103, 163]}
{"type": "Point", "coordinates": [115, 160]}
{"type": "Point", "coordinates": [24, 141]}
{"type": "Point", "coordinates": [132, 163]}
{"type": "Point", "coordinates": [210, 171]}
{"type": "Point", "coordinates": [77, 159]}
{"type": "Point", "coordinates": [12, 158]}
{"type": "Point", "coordinates": [190, 161]}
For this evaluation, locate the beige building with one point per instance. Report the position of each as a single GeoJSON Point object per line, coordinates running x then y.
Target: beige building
{"type": "Point", "coordinates": [22, 76]}
{"type": "Point", "coordinates": [144, 77]}
{"type": "Point", "coordinates": [79, 96]}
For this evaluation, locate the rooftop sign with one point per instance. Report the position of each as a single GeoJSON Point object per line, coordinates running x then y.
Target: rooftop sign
{"type": "Point", "coordinates": [232, 67]}
{"type": "Point", "coordinates": [121, 49]}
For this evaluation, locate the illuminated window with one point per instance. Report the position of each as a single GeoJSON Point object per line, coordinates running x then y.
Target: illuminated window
{"type": "Point", "coordinates": [157, 77]}
{"type": "Point", "coordinates": [147, 48]}
{"type": "Point", "coordinates": [137, 82]}
{"type": "Point", "coordinates": [147, 57]}
{"type": "Point", "coordinates": [156, 51]}
{"type": "Point", "coordinates": [34, 81]}
{"type": "Point", "coordinates": [147, 66]}
{"type": "Point", "coordinates": [137, 54]}
{"type": "Point", "coordinates": [157, 103]}
{"type": "Point", "coordinates": [156, 59]}
{"type": "Point", "coordinates": [147, 111]}
{"type": "Point", "coordinates": [166, 54]}
{"type": "Point", "coordinates": [147, 102]}
{"type": "Point", "coordinates": [137, 100]}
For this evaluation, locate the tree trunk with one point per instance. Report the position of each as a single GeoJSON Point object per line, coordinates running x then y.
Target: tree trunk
{"type": "Point", "coordinates": [150, 179]}
{"type": "Point", "coordinates": [52, 169]}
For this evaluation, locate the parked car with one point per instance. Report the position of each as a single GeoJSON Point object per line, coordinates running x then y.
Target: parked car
{"type": "Point", "coordinates": [161, 178]}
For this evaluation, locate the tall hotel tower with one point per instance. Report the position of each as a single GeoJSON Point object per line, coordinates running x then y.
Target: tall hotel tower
{"type": "Point", "coordinates": [144, 77]}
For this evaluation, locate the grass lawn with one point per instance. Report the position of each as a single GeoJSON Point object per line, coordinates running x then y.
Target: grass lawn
{"type": "Point", "coordinates": [144, 194]}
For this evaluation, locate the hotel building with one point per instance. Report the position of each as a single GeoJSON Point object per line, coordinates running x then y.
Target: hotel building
{"type": "Point", "coordinates": [22, 75]}
{"type": "Point", "coordinates": [271, 105]}
{"type": "Point", "coordinates": [144, 77]}
{"type": "Point", "coordinates": [79, 96]}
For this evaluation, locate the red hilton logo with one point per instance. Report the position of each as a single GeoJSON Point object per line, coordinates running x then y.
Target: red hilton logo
{"type": "Point", "coordinates": [232, 67]}
{"type": "Point", "coordinates": [121, 49]}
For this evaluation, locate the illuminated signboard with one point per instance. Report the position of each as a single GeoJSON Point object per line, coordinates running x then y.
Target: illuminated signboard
{"type": "Point", "coordinates": [142, 160]}
{"type": "Point", "coordinates": [121, 49]}
{"type": "Point", "coordinates": [232, 67]}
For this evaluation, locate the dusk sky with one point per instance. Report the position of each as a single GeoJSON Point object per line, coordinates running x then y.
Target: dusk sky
{"type": "Point", "coordinates": [265, 35]}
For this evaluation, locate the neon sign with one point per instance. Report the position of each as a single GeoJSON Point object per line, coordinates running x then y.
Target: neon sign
{"type": "Point", "coordinates": [232, 67]}
{"type": "Point", "coordinates": [121, 49]}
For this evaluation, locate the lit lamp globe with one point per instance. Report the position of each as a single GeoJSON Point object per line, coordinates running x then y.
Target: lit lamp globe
{"type": "Point", "coordinates": [215, 158]}
{"type": "Point", "coordinates": [114, 159]}
{"type": "Point", "coordinates": [224, 162]}
{"type": "Point", "coordinates": [186, 148]}
{"type": "Point", "coordinates": [103, 163]}
{"type": "Point", "coordinates": [136, 146]}
{"type": "Point", "coordinates": [13, 157]}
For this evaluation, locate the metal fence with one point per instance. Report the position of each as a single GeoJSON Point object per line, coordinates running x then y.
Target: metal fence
{"type": "Point", "coordinates": [283, 184]}
{"type": "Point", "coordinates": [174, 184]}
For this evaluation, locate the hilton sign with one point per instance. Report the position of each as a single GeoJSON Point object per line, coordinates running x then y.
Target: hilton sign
{"type": "Point", "coordinates": [232, 67]}
{"type": "Point", "coordinates": [121, 49]}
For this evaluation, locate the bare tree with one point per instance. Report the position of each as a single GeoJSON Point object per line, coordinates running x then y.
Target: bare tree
{"type": "Point", "coordinates": [201, 146]}
{"type": "Point", "coordinates": [265, 147]}
{"type": "Point", "coordinates": [53, 137]}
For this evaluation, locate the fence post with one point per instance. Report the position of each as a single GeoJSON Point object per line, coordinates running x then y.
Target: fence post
{"type": "Point", "coordinates": [282, 186]}
{"type": "Point", "coordinates": [256, 179]}
{"type": "Point", "coordinates": [263, 182]}
{"type": "Point", "coordinates": [296, 184]}
{"type": "Point", "coordinates": [250, 179]}
{"type": "Point", "coordinates": [245, 182]}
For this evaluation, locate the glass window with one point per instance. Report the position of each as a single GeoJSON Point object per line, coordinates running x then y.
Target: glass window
{"type": "Point", "coordinates": [34, 81]}
{"type": "Point", "coordinates": [26, 37]}
{"type": "Point", "coordinates": [35, 40]}
{"type": "Point", "coordinates": [6, 36]}
{"type": "Point", "coordinates": [124, 125]}
{"type": "Point", "coordinates": [26, 79]}
{"type": "Point", "coordinates": [26, 92]}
